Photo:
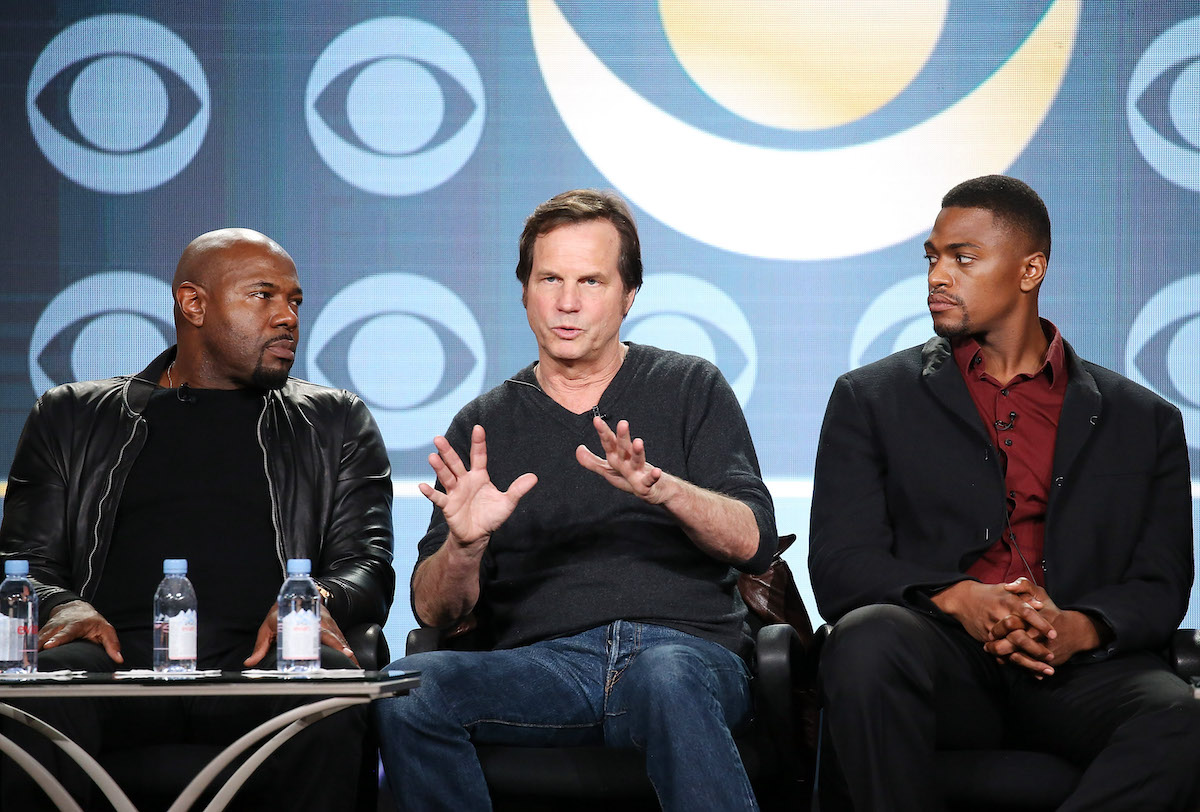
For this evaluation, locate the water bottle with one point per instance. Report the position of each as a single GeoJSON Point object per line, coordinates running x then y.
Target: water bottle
{"type": "Point", "coordinates": [18, 620]}
{"type": "Point", "coordinates": [299, 642]}
{"type": "Point", "coordinates": [175, 619]}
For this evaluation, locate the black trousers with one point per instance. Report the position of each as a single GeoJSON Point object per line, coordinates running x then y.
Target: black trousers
{"type": "Point", "coordinates": [317, 769]}
{"type": "Point", "coordinates": [898, 685]}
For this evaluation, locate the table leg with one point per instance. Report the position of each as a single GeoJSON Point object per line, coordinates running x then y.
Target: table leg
{"type": "Point", "coordinates": [53, 788]}
{"type": "Point", "coordinates": [302, 716]}
{"type": "Point", "coordinates": [119, 800]}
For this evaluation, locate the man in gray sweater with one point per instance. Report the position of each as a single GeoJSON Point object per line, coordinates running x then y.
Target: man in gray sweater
{"type": "Point", "coordinates": [604, 582]}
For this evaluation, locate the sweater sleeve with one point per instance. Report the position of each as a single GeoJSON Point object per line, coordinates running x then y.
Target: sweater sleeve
{"type": "Point", "coordinates": [721, 457]}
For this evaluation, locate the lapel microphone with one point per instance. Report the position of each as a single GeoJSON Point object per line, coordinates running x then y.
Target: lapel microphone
{"type": "Point", "coordinates": [185, 394]}
{"type": "Point", "coordinates": [999, 424]}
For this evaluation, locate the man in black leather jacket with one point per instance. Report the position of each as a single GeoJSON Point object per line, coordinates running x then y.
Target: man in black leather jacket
{"type": "Point", "coordinates": [212, 453]}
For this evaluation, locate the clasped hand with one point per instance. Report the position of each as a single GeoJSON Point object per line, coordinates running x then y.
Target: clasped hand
{"type": "Point", "coordinates": [1011, 620]}
{"type": "Point", "coordinates": [1018, 623]}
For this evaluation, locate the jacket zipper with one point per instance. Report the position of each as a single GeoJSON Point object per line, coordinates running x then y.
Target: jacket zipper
{"type": "Point", "coordinates": [138, 420]}
{"type": "Point", "coordinates": [279, 554]}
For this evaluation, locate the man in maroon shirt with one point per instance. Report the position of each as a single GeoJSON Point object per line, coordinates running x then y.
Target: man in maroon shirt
{"type": "Point", "coordinates": [1001, 532]}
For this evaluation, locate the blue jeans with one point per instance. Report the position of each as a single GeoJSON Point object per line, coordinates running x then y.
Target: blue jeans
{"type": "Point", "coordinates": [668, 693]}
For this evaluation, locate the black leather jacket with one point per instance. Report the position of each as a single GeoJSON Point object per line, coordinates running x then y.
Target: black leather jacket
{"type": "Point", "coordinates": [327, 474]}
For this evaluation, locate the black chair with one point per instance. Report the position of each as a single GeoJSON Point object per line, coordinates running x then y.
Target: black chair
{"type": "Point", "coordinates": [176, 764]}
{"type": "Point", "coordinates": [550, 777]}
{"type": "Point", "coordinates": [981, 780]}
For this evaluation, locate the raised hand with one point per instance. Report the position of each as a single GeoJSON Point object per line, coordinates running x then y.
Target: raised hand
{"type": "Point", "coordinates": [624, 462]}
{"type": "Point", "coordinates": [472, 505]}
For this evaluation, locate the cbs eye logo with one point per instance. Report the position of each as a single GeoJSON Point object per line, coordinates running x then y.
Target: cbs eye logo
{"type": "Point", "coordinates": [414, 366]}
{"type": "Point", "coordinates": [1161, 351]}
{"type": "Point", "coordinates": [688, 315]}
{"type": "Point", "coordinates": [897, 319]}
{"type": "Point", "coordinates": [105, 325]}
{"type": "Point", "coordinates": [118, 104]}
{"type": "Point", "coordinates": [394, 106]}
{"type": "Point", "coordinates": [1162, 103]}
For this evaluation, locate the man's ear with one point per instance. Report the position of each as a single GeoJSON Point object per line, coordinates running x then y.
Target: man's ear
{"type": "Point", "coordinates": [1033, 272]}
{"type": "Point", "coordinates": [192, 301]}
{"type": "Point", "coordinates": [630, 295]}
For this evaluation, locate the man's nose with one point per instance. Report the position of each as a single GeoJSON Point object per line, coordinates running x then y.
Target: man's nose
{"type": "Point", "coordinates": [939, 277]}
{"type": "Point", "coordinates": [568, 299]}
{"type": "Point", "coordinates": [287, 317]}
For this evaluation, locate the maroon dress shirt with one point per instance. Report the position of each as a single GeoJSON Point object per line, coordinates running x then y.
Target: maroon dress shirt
{"type": "Point", "coordinates": [1021, 419]}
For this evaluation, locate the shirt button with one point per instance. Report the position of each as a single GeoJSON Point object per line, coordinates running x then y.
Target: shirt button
{"type": "Point", "coordinates": [1008, 442]}
{"type": "Point", "coordinates": [1004, 392]}
{"type": "Point", "coordinates": [1012, 494]}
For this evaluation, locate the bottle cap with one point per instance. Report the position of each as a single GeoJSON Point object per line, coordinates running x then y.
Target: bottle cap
{"type": "Point", "coordinates": [16, 567]}
{"type": "Point", "coordinates": [175, 566]}
{"type": "Point", "coordinates": [299, 566]}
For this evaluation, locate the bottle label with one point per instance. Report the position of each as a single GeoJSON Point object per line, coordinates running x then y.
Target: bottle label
{"type": "Point", "coordinates": [302, 635]}
{"type": "Point", "coordinates": [181, 635]}
{"type": "Point", "coordinates": [10, 639]}
{"type": "Point", "coordinates": [17, 635]}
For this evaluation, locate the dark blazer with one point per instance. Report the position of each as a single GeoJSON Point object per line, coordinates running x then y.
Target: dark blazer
{"type": "Point", "coordinates": [909, 493]}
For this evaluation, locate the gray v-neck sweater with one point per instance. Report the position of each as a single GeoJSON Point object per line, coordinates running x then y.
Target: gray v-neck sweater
{"type": "Point", "coordinates": [578, 553]}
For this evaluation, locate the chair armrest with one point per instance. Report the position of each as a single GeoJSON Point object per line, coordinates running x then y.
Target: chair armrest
{"type": "Point", "coordinates": [779, 660]}
{"type": "Point", "coordinates": [369, 645]}
{"type": "Point", "coordinates": [814, 650]}
{"type": "Point", "coordinates": [421, 640]}
{"type": "Point", "coordinates": [1185, 653]}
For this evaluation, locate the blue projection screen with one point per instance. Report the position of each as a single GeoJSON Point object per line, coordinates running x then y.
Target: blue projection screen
{"type": "Point", "coordinates": [785, 162]}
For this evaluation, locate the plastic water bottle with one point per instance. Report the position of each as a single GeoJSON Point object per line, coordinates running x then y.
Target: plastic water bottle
{"type": "Point", "coordinates": [175, 619]}
{"type": "Point", "coordinates": [18, 620]}
{"type": "Point", "coordinates": [299, 642]}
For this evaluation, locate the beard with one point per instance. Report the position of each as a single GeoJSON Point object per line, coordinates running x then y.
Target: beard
{"type": "Point", "coordinates": [957, 330]}
{"type": "Point", "coordinates": [263, 378]}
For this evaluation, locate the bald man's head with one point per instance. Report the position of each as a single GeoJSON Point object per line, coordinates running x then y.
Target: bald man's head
{"type": "Point", "coordinates": [208, 256]}
{"type": "Point", "coordinates": [237, 301]}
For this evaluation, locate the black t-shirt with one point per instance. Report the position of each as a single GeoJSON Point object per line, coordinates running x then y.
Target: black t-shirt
{"type": "Point", "coordinates": [198, 490]}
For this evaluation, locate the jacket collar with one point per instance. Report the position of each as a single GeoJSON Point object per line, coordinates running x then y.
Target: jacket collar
{"type": "Point", "coordinates": [1081, 412]}
{"type": "Point", "coordinates": [943, 378]}
{"type": "Point", "coordinates": [139, 387]}
{"type": "Point", "coordinates": [1082, 404]}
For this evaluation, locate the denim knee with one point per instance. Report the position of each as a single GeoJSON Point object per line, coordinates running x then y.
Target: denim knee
{"type": "Point", "coordinates": [396, 710]}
